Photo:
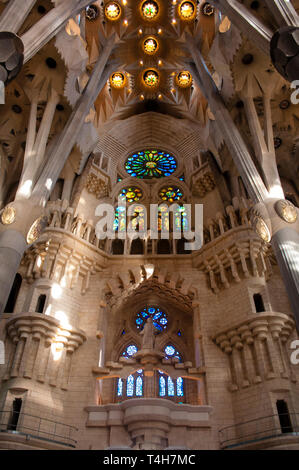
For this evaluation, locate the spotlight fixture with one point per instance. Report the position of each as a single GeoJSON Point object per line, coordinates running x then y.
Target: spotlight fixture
{"type": "Point", "coordinates": [117, 80]}
{"type": "Point", "coordinates": [208, 9]}
{"type": "Point", "coordinates": [187, 11]}
{"type": "Point", "coordinates": [150, 9]}
{"type": "Point", "coordinates": [151, 78]}
{"type": "Point", "coordinates": [112, 11]}
{"type": "Point", "coordinates": [92, 12]}
{"type": "Point", "coordinates": [184, 79]}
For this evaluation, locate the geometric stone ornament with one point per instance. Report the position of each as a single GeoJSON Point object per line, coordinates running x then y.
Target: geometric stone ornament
{"type": "Point", "coordinates": [37, 229]}
{"type": "Point", "coordinates": [8, 215]}
{"type": "Point", "coordinates": [286, 210]}
{"type": "Point", "coordinates": [11, 56]}
{"type": "Point", "coordinates": [284, 50]}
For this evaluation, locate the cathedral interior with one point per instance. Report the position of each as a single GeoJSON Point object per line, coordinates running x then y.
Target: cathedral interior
{"type": "Point", "coordinates": [149, 342]}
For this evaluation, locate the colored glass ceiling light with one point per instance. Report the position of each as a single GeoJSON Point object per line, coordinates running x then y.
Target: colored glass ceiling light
{"type": "Point", "coordinates": [150, 46]}
{"type": "Point", "coordinates": [208, 9]}
{"type": "Point", "coordinates": [112, 11]}
{"type": "Point", "coordinates": [92, 12]}
{"type": "Point", "coordinates": [187, 11]}
{"type": "Point", "coordinates": [117, 80]}
{"type": "Point", "coordinates": [184, 79]}
{"type": "Point", "coordinates": [151, 78]}
{"type": "Point", "coordinates": [150, 9]}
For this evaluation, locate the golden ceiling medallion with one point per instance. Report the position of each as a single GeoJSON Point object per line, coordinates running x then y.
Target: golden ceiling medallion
{"type": "Point", "coordinates": [151, 78]}
{"type": "Point", "coordinates": [112, 11]}
{"type": "Point", "coordinates": [286, 210]}
{"type": "Point", "coordinates": [150, 45]}
{"type": "Point", "coordinates": [150, 9]}
{"type": "Point", "coordinates": [8, 215]}
{"type": "Point", "coordinates": [187, 11]}
{"type": "Point", "coordinates": [184, 79]}
{"type": "Point", "coordinates": [117, 80]}
{"type": "Point", "coordinates": [261, 228]}
{"type": "Point", "coordinates": [36, 229]}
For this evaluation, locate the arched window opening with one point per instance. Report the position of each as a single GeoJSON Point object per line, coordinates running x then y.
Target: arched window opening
{"type": "Point", "coordinates": [14, 418]}
{"type": "Point", "coordinates": [118, 247]}
{"type": "Point", "coordinates": [159, 318]}
{"type": "Point", "coordinates": [259, 303]}
{"type": "Point", "coordinates": [163, 247]}
{"type": "Point", "coordinates": [132, 387]}
{"type": "Point", "coordinates": [284, 416]}
{"type": "Point", "coordinates": [40, 305]}
{"type": "Point", "coordinates": [137, 247]}
{"type": "Point", "coordinates": [181, 247]}
{"type": "Point", "coordinates": [129, 351]}
{"type": "Point", "coordinates": [170, 388]}
{"type": "Point", "coordinates": [170, 351]}
{"type": "Point", "coordinates": [9, 308]}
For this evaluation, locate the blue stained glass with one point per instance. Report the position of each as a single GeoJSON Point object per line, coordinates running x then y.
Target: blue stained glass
{"type": "Point", "coordinates": [169, 350]}
{"type": "Point", "coordinates": [150, 164]}
{"type": "Point", "coordinates": [179, 387]}
{"type": "Point", "coordinates": [162, 387]}
{"type": "Point", "coordinates": [159, 318]}
{"type": "Point", "coordinates": [131, 350]}
{"type": "Point", "coordinates": [170, 387]}
{"type": "Point", "coordinates": [130, 386]}
{"type": "Point", "coordinates": [119, 387]}
{"type": "Point", "coordinates": [139, 386]}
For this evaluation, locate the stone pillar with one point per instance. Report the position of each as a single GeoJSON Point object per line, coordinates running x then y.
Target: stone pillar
{"type": "Point", "coordinates": [284, 12]}
{"type": "Point", "coordinates": [45, 29]}
{"type": "Point", "coordinates": [12, 246]}
{"type": "Point", "coordinates": [15, 14]}
{"type": "Point", "coordinates": [285, 243]}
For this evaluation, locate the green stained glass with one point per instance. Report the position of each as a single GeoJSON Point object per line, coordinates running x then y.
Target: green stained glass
{"type": "Point", "coordinates": [131, 194]}
{"type": "Point", "coordinates": [151, 164]}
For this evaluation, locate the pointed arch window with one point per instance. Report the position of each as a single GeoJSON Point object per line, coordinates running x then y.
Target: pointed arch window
{"type": "Point", "coordinates": [132, 387]}
{"type": "Point", "coordinates": [129, 351]}
{"type": "Point", "coordinates": [170, 388]}
{"type": "Point", "coordinates": [170, 351]}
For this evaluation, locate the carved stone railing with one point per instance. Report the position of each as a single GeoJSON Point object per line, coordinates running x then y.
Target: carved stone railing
{"type": "Point", "coordinates": [36, 340]}
{"type": "Point", "coordinates": [256, 349]}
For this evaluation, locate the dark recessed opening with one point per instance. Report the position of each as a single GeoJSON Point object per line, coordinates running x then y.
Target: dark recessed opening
{"type": "Point", "coordinates": [51, 63]}
{"type": "Point", "coordinates": [41, 9]}
{"type": "Point", "coordinates": [9, 308]}
{"type": "Point", "coordinates": [163, 247]}
{"type": "Point", "coordinates": [60, 107]}
{"type": "Point", "coordinates": [247, 59]}
{"type": "Point", "coordinates": [16, 108]}
{"type": "Point", "coordinates": [16, 409]}
{"type": "Point", "coordinates": [239, 104]}
{"type": "Point", "coordinates": [41, 303]}
{"type": "Point", "coordinates": [255, 5]}
{"type": "Point", "coordinates": [284, 416]}
{"type": "Point", "coordinates": [117, 247]}
{"type": "Point", "coordinates": [259, 303]}
{"type": "Point", "coordinates": [137, 247]}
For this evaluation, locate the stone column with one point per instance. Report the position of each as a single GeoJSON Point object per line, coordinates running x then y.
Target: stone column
{"type": "Point", "coordinates": [246, 22]}
{"type": "Point", "coordinates": [15, 14]}
{"type": "Point", "coordinates": [68, 137]}
{"type": "Point", "coordinates": [12, 247]}
{"type": "Point", "coordinates": [45, 29]}
{"type": "Point", "coordinates": [284, 12]}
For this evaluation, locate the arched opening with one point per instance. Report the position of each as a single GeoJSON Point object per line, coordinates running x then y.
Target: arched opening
{"type": "Point", "coordinates": [11, 302]}
{"type": "Point", "coordinates": [137, 247]}
{"type": "Point", "coordinates": [117, 247]}
{"type": "Point", "coordinates": [259, 303]}
{"type": "Point", "coordinates": [40, 305]}
{"type": "Point", "coordinates": [284, 416]}
{"type": "Point", "coordinates": [181, 247]}
{"type": "Point", "coordinates": [14, 418]}
{"type": "Point", "coordinates": [163, 247]}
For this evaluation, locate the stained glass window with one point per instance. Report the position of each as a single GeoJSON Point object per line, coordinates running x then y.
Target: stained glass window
{"type": "Point", "coordinates": [179, 387]}
{"type": "Point", "coordinates": [119, 223]}
{"type": "Point", "coordinates": [132, 194]}
{"type": "Point", "coordinates": [181, 219]}
{"type": "Point", "coordinates": [162, 386]}
{"type": "Point", "coordinates": [170, 351]}
{"type": "Point", "coordinates": [151, 164]}
{"type": "Point", "coordinates": [159, 318]}
{"type": "Point", "coordinates": [130, 386]}
{"type": "Point", "coordinates": [163, 218]}
{"type": "Point", "coordinates": [139, 386]}
{"type": "Point", "coordinates": [119, 387]}
{"type": "Point", "coordinates": [130, 351]}
{"type": "Point", "coordinates": [171, 194]}
{"type": "Point", "coordinates": [138, 221]}
{"type": "Point", "coordinates": [170, 387]}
